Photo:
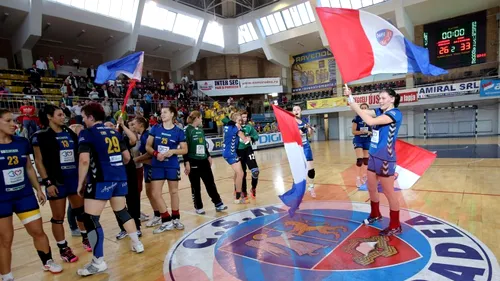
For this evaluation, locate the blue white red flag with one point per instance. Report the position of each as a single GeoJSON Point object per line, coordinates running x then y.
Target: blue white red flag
{"type": "Point", "coordinates": [411, 164]}
{"type": "Point", "coordinates": [131, 66]}
{"type": "Point", "coordinates": [364, 44]}
{"type": "Point", "coordinates": [296, 158]}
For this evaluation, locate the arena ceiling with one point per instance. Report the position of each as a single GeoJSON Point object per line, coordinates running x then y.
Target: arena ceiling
{"type": "Point", "coordinates": [227, 8]}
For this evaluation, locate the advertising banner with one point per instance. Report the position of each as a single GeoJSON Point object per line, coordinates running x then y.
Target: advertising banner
{"type": "Point", "coordinates": [269, 140]}
{"type": "Point", "coordinates": [215, 145]}
{"type": "Point", "coordinates": [226, 84]}
{"type": "Point", "coordinates": [326, 103]}
{"type": "Point", "coordinates": [373, 99]}
{"type": "Point", "coordinates": [313, 71]}
{"type": "Point", "coordinates": [260, 82]}
{"type": "Point", "coordinates": [448, 89]}
{"type": "Point", "coordinates": [489, 88]}
{"type": "Point", "coordinates": [206, 85]}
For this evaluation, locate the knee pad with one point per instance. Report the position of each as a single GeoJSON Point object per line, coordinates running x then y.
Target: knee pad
{"type": "Point", "coordinates": [78, 213]}
{"type": "Point", "coordinates": [359, 162]}
{"type": "Point", "coordinates": [365, 161]}
{"type": "Point", "coordinates": [52, 220]}
{"type": "Point", "coordinates": [91, 222]}
{"type": "Point", "coordinates": [123, 215]}
{"type": "Point", "coordinates": [255, 173]}
{"type": "Point", "coordinates": [311, 173]}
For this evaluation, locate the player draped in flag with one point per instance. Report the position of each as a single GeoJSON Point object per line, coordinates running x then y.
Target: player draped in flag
{"type": "Point", "coordinates": [59, 174]}
{"type": "Point", "coordinates": [361, 142]}
{"type": "Point", "coordinates": [165, 142]}
{"type": "Point", "coordinates": [232, 136]}
{"type": "Point", "coordinates": [16, 196]}
{"type": "Point", "coordinates": [247, 156]}
{"type": "Point", "coordinates": [385, 122]}
{"type": "Point", "coordinates": [306, 131]}
{"type": "Point", "coordinates": [102, 160]}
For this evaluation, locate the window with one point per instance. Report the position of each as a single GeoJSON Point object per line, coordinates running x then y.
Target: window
{"type": "Point", "coordinates": [349, 4]}
{"type": "Point", "coordinates": [119, 9]}
{"type": "Point", "coordinates": [214, 34]}
{"type": "Point", "coordinates": [246, 33]}
{"type": "Point", "coordinates": [186, 26]}
{"type": "Point", "coordinates": [289, 18]}
{"type": "Point", "coordinates": [160, 18]}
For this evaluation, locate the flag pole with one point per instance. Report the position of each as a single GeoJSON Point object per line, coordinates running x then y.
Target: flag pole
{"type": "Point", "coordinates": [131, 86]}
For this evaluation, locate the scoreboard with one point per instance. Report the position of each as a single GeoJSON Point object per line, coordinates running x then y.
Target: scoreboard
{"type": "Point", "coordinates": [457, 42]}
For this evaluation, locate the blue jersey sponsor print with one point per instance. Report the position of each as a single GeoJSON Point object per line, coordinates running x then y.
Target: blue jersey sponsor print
{"type": "Point", "coordinates": [14, 178]}
{"type": "Point", "coordinates": [231, 141]}
{"type": "Point", "coordinates": [383, 141]}
{"type": "Point", "coordinates": [363, 127]}
{"type": "Point", "coordinates": [303, 132]}
{"type": "Point", "coordinates": [105, 146]}
{"type": "Point", "coordinates": [164, 140]}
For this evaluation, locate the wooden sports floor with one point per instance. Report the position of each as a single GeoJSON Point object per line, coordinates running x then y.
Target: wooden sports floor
{"type": "Point", "coordinates": [463, 191]}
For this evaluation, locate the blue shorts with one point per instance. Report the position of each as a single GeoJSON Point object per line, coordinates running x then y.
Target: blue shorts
{"type": "Point", "coordinates": [105, 190]}
{"type": "Point", "coordinates": [160, 173]}
{"type": "Point", "coordinates": [232, 160]}
{"type": "Point", "coordinates": [70, 187]}
{"type": "Point", "coordinates": [147, 173]}
{"type": "Point", "coordinates": [363, 145]}
{"type": "Point", "coordinates": [381, 167]}
{"type": "Point", "coordinates": [308, 153]}
{"type": "Point", "coordinates": [26, 208]}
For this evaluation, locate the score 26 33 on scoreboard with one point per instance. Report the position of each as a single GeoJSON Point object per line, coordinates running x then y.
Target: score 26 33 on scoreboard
{"type": "Point", "coordinates": [457, 42]}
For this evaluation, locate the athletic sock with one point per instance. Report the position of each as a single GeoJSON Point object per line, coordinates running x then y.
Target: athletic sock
{"type": "Point", "coordinates": [157, 214]}
{"type": "Point", "coordinates": [375, 211]}
{"type": "Point", "coordinates": [62, 245]}
{"type": "Point", "coordinates": [176, 214]}
{"type": "Point", "coordinates": [7, 276]}
{"type": "Point", "coordinates": [134, 237]}
{"type": "Point", "coordinates": [84, 234]}
{"type": "Point", "coordinates": [238, 195]}
{"type": "Point", "coordinates": [165, 217]}
{"type": "Point", "coordinates": [394, 223]}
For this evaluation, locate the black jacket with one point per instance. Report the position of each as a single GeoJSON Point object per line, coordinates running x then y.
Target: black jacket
{"type": "Point", "coordinates": [49, 148]}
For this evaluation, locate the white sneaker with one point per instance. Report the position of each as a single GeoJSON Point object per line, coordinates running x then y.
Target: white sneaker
{"type": "Point", "coordinates": [365, 179]}
{"type": "Point", "coordinates": [93, 267]}
{"type": "Point", "coordinates": [144, 217]}
{"type": "Point", "coordinates": [200, 211]}
{"type": "Point", "coordinates": [178, 225]}
{"type": "Point", "coordinates": [155, 221]}
{"type": "Point", "coordinates": [169, 225]}
{"type": "Point", "coordinates": [358, 182]}
{"type": "Point", "coordinates": [138, 248]}
{"type": "Point", "coordinates": [52, 267]}
{"type": "Point", "coordinates": [221, 208]}
{"type": "Point", "coordinates": [242, 200]}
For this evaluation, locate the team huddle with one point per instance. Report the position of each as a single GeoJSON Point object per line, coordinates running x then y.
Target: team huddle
{"type": "Point", "coordinates": [105, 162]}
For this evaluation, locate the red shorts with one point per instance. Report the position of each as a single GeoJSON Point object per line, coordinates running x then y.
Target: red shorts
{"type": "Point", "coordinates": [140, 178]}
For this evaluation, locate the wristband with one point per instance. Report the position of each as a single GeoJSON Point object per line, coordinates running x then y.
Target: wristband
{"type": "Point", "coordinates": [350, 99]}
{"type": "Point", "coordinates": [155, 153]}
{"type": "Point", "coordinates": [46, 182]}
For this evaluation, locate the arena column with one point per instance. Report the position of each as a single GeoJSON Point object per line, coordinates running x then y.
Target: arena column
{"type": "Point", "coordinates": [190, 55]}
{"type": "Point", "coordinates": [27, 35]}
{"type": "Point", "coordinates": [272, 54]}
{"type": "Point", "coordinates": [128, 43]}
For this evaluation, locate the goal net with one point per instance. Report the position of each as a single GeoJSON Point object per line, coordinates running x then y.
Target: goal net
{"type": "Point", "coordinates": [459, 121]}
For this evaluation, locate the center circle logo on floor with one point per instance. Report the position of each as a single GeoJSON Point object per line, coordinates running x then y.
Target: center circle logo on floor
{"type": "Point", "coordinates": [325, 240]}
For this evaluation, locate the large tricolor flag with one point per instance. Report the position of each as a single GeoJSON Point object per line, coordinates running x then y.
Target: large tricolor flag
{"type": "Point", "coordinates": [296, 158]}
{"type": "Point", "coordinates": [364, 44]}
{"type": "Point", "coordinates": [131, 66]}
{"type": "Point", "coordinates": [411, 164]}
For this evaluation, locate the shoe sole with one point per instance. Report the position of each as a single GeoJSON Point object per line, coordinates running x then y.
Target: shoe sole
{"type": "Point", "coordinates": [69, 261]}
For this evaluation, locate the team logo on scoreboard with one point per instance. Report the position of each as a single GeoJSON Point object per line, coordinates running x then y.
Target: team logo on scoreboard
{"type": "Point", "coordinates": [325, 240]}
{"type": "Point", "coordinates": [384, 36]}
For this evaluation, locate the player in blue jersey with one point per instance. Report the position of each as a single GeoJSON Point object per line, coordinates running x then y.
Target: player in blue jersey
{"type": "Point", "coordinates": [306, 131]}
{"type": "Point", "coordinates": [165, 143]}
{"type": "Point", "coordinates": [59, 174]}
{"type": "Point", "coordinates": [232, 136]}
{"type": "Point", "coordinates": [385, 122]}
{"type": "Point", "coordinates": [361, 141]}
{"type": "Point", "coordinates": [16, 196]}
{"type": "Point", "coordinates": [102, 159]}
{"type": "Point", "coordinates": [141, 126]}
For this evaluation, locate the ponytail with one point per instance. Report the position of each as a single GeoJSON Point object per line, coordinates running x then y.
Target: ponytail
{"type": "Point", "coordinates": [193, 115]}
